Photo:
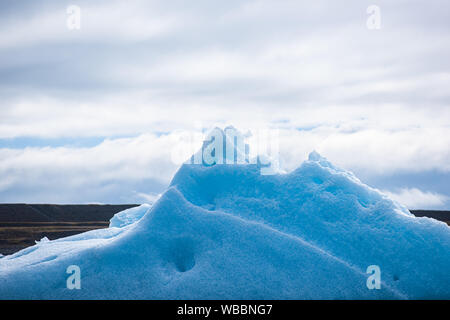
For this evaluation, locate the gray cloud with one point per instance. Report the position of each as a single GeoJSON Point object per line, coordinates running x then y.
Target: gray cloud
{"type": "Point", "coordinates": [156, 66]}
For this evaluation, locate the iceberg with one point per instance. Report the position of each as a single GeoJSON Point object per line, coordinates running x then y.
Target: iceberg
{"type": "Point", "coordinates": [226, 231]}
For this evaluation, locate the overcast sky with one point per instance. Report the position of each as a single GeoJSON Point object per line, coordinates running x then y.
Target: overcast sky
{"type": "Point", "coordinates": [91, 115]}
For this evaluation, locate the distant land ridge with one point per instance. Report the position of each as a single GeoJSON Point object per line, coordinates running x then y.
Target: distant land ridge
{"type": "Point", "coordinates": [22, 212]}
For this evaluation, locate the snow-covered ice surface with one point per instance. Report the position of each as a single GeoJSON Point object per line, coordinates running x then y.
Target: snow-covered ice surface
{"type": "Point", "coordinates": [228, 232]}
{"type": "Point", "coordinates": [129, 216]}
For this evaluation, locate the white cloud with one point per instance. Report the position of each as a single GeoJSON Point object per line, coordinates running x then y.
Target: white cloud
{"type": "Point", "coordinates": [141, 167]}
{"type": "Point", "coordinates": [145, 156]}
{"type": "Point", "coordinates": [149, 198]}
{"type": "Point", "coordinates": [371, 101]}
{"type": "Point", "coordinates": [108, 172]}
{"type": "Point", "coordinates": [416, 199]}
{"type": "Point", "coordinates": [373, 150]}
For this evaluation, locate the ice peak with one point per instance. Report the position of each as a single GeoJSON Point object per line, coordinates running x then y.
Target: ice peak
{"type": "Point", "coordinates": [315, 156]}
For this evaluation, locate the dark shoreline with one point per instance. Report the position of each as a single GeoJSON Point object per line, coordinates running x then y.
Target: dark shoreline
{"type": "Point", "coordinates": [22, 224]}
